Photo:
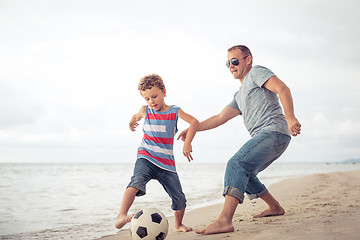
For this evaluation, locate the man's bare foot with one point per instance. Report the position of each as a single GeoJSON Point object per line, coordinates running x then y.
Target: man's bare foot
{"type": "Point", "coordinates": [121, 220]}
{"type": "Point", "coordinates": [183, 228]}
{"type": "Point", "coordinates": [271, 212]}
{"type": "Point", "coordinates": [216, 227]}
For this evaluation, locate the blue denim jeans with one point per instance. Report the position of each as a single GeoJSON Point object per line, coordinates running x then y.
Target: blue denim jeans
{"type": "Point", "coordinates": [253, 157]}
{"type": "Point", "coordinates": [144, 171]}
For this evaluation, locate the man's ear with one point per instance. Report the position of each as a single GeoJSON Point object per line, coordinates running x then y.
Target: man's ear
{"type": "Point", "coordinates": [165, 92]}
{"type": "Point", "coordinates": [249, 60]}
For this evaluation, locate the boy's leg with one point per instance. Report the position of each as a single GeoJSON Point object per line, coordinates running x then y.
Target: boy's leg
{"type": "Point", "coordinates": [143, 173]}
{"type": "Point", "coordinates": [127, 201]}
{"type": "Point", "coordinates": [224, 223]}
{"type": "Point", "coordinates": [180, 227]}
{"type": "Point", "coordinates": [171, 183]}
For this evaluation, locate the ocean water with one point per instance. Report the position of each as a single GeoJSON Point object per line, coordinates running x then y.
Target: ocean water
{"type": "Point", "coordinates": [81, 201]}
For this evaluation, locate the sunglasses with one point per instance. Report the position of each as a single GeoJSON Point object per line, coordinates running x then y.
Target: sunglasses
{"type": "Point", "coordinates": [234, 61]}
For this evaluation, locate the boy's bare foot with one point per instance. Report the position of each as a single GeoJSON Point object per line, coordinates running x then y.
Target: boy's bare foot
{"type": "Point", "coordinates": [183, 228]}
{"type": "Point", "coordinates": [271, 212]}
{"type": "Point", "coordinates": [121, 220]}
{"type": "Point", "coordinates": [216, 227]}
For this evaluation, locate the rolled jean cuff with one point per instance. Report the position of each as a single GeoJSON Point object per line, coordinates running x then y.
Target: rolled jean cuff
{"type": "Point", "coordinates": [234, 192]}
{"type": "Point", "coordinates": [257, 195]}
{"type": "Point", "coordinates": [178, 207]}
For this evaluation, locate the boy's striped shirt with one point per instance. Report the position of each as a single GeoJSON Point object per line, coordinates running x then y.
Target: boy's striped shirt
{"type": "Point", "coordinates": [158, 141]}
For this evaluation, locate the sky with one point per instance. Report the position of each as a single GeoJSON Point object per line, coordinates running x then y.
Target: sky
{"type": "Point", "coordinates": [69, 72]}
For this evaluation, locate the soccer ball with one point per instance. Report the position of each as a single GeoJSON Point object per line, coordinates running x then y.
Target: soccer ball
{"type": "Point", "coordinates": [149, 224]}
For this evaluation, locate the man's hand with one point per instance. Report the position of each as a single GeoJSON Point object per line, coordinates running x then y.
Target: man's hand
{"type": "Point", "coordinates": [293, 125]}
{"type": "Point", "coordinates": [182, 135]}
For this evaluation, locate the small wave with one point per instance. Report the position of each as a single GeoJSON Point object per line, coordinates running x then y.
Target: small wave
{"type": "Point", "coordinates": [68, 209]}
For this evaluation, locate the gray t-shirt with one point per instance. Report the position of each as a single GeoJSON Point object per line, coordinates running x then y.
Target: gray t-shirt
{"type": "Point", "coordinates": [259, 106]}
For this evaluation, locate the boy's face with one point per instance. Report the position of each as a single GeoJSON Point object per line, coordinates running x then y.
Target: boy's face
{"type": "Point", "coordinates": [154, 97]}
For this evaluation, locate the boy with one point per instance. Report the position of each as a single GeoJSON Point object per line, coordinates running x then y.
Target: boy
{"type": "Point", "coordinates": [155, 159]}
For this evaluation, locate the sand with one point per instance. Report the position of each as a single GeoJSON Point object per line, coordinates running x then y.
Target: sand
{"type": "Point", "coordinates": [321, 206]}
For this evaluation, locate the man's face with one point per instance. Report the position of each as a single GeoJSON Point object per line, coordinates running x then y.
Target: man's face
{"type": "Point", "coordinates": [244, 64]}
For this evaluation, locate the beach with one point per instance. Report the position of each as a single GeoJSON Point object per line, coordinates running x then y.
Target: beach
{"type": "Point", "coordinates": [318, 206]}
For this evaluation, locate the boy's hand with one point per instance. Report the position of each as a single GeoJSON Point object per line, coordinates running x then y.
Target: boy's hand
{"type": "Point", "coordinates": [187, 150]}
{"type": "Point", "coordinates": [133, 125]}
{"type": "Point", "coordinates": [137, 117]}
{"type": "Point", "coordinates": [182, 135]}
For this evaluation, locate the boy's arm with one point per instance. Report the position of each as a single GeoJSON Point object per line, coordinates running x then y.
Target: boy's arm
{"type": "Point", "coordinates": [194, 124]}
{"type": "Point", "coordinates": [137, 117]}
{"type": "Point", "coordinates": [275, 85]}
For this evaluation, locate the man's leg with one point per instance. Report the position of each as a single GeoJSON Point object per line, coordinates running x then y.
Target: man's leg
{"type": "Point", "coordinates": [255, 188]}
{"type": "Point", "coordinates": [274, 208]}
{"type": "Point", "coordinates": [224, 223]}
{"type": "Point", "coordinates": [235, 182]}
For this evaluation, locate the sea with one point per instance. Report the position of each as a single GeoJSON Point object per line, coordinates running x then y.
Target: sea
{"type": "Point", "coordinates": [81, 200]}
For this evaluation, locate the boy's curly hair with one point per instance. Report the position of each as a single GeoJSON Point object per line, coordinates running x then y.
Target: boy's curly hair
{"type": "Point", "coordinates": [150, 81]}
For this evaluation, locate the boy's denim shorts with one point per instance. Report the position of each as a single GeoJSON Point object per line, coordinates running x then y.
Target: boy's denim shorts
{"type": "Point", "coordinates": [144, 171]}
{"type": "Point", "coordinates": [253, 157]}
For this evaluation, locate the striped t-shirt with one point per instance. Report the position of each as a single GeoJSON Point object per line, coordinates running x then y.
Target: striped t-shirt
{"type": "Point", "coordinates": [158, 141]}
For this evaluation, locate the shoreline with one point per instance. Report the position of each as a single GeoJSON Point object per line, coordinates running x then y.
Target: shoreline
{"type": "Point", "coordinates": [319, 206]}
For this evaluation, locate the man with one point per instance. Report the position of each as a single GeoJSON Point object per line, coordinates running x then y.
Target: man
{"type": "Point", "coordinates": [271, 130]}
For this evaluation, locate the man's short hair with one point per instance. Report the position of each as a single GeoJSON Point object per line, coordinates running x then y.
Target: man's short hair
{"type": "Point", "coordinates": [244, 49]}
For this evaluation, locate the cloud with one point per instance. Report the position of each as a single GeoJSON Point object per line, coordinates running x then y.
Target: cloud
{"type": "Point", "coordinates": [17, 108]}
{"type": "Point", "coordinates": [325, 127]}
{"type": "Point", "coordinates": [70, 71]}
{"type": "Point", "coordinates": [350, 126]}
{"type": "Point", "coordinates": [328, 138]}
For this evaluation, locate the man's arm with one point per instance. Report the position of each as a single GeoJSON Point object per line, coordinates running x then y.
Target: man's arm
{"type": "Point", "coordinates": [225, 115]}
{"type": "Point", "coordinates": [277, 86]}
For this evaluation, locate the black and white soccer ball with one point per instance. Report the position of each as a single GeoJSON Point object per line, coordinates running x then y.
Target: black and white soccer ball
{"type": "Point", "coordinates": [149, 224]}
